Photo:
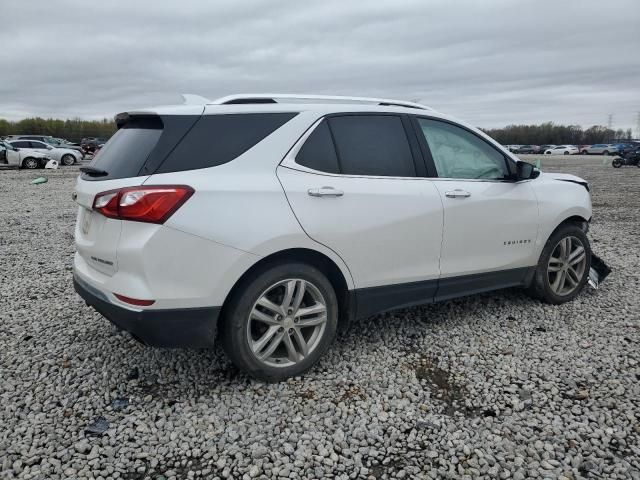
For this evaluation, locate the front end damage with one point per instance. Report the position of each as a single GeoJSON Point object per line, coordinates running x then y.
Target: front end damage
{"type": "Point", "coordinates": [598, 272]}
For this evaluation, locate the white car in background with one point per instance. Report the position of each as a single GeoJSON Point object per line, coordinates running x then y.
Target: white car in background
{"type": "Point", "coordinates": [563, 150]}
{"type": "Point", "coordinates": [267, 220]}
{"type": "Point", "coordinates": [12, 156]}
{"type": "Point", "coordinates": [64, 156]}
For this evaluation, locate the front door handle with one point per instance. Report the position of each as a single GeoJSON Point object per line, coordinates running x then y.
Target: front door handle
{"type": "Point", "coordinates": [325, 192]}
{"type": "Point", "coordinates": [457, 193]}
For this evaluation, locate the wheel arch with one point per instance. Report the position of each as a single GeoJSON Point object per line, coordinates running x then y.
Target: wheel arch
{"type": "Point", "coordinates": [576, 219]}
{"type": "Point", "coordinates": [335, 275]}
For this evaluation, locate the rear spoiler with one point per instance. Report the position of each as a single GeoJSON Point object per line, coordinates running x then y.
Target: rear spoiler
{"type": "Point", "coordinates": [138, 120]}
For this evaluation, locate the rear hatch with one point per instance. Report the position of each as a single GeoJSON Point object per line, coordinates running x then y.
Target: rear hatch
{"type": "Point", "coordinates": [140, 144]}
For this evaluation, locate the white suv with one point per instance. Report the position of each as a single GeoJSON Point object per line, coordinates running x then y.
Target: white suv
{"type": "Point", "coordinates": [269, 220]}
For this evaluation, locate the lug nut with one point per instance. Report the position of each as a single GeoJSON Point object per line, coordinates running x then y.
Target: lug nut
{"type": "Point", "coordinates": [290, 331]}
{"type": "Point", "coordinates": [290, 310]}
{"type": "Point", "coordinates": [296, 320]}
{"type": "Point", "coordinates": [281, 330]}
{"type": "Point", "coordinates": [278, 317]}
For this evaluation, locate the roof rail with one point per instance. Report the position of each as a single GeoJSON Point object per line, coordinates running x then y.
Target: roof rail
{"type": "Point", "coordinates": [249, 98]}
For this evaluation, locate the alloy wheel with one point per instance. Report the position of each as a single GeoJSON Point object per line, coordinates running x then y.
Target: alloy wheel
{"type": "Point", "coordinates": [287, 322]}
{"type": "Point", "coordinates": [31, 163]}
{"type": "Point", "coordinates": [566, 267]}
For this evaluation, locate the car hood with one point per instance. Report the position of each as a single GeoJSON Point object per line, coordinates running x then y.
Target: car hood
{"type": "Point", "coordinates": [565, 177]}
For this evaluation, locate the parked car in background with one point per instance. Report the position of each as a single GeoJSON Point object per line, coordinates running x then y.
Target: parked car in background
{"type": "Point", "coordinates": [247, 198]}
{"type": "Point", "coordinates": [527, 149]}
{"type": "Point", "coordinates": [11, 155]}
{"type": "Point", "coordinates": [562, 150]}
{"type": "Point", "coordinates": [624, 148]}
{"type": "Point", "coordinates": [54, 142]}
{"type": "Point", "coordinates": [600, 149]}
{"type": "Point", "coordinates": [89, 144]}
{"type": "Point", "coordinates": [544, 148]}
{"type": "Point", "coordinates": [64, 156]}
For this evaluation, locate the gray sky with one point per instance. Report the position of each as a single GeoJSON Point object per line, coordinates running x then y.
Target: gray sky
{"type": "Point", "coordinates": [492, 62]}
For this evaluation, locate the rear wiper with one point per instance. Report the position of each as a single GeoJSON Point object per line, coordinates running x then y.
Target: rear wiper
{"type": "Point", "coordinates": [95, 172]}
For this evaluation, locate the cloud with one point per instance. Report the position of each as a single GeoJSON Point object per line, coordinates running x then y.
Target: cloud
{"type": "Point", "coordinates": [491, 63]}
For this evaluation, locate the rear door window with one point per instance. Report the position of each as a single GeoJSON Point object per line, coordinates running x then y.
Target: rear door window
{"type": "Point", "coordinates": [372, 145]}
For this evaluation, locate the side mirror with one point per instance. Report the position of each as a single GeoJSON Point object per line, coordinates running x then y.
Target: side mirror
{"type": "Point", "coordinates": [526, 171]}
{"type": "Point", "coordinates": [16, 149]}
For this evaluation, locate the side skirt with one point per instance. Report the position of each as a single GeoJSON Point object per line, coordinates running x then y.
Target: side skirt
{"type": "Point", "coordinates": [374, 300]}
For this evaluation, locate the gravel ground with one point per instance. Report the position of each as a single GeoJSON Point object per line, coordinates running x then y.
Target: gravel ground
{"type": "Point", "coordinates": [490, 386]}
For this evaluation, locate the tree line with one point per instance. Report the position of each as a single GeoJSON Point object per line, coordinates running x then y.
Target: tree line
{"type": "Point", "coordinates": [550, 133]}
{"type": "Point", "coordinates": [73, 129]}
{"type": "Point", "coordinates": [545, 133]}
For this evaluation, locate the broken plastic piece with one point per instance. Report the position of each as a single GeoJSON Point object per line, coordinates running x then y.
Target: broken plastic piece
{"type": "Point", "coordinates": [51, 165]}
{"type": "Point", "coordinates": [598, 272]}
{"type": "Point", "coordinates": [39, 180]}
{"type": "Point", "coordinates": [97, 428]}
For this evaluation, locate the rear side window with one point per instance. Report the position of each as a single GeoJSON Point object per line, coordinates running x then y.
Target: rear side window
{"type": "Point", "coordinates": [318, 151]}
{"type": "Point", "coordinates": [218, 139]}
{"type": "Point", "coordinates": [374, 145]}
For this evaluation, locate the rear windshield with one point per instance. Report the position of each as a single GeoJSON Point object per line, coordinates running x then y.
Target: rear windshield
{"type": "Point", "coordinates": [126, 152]}
{"type": "Point", "coordinates": [173, 143]}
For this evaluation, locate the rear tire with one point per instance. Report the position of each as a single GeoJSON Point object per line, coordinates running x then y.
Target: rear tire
{"type": "Point", "coordinates": [566, 153]}
{"type": "Point", "coordinates": [264, 330]}
{"type": "Point", "coordinates": [606, 152]}
{"type": "Point", "coordinates": [616, 163]}
{"type": "Point", "coordinates": [68, 159]}
{"type": "Point", "coordinates": [584, 152]}
{"type": "Point", "coordinates": [30, 163]}
{"type": "Point", "coordinates": [563, 268]}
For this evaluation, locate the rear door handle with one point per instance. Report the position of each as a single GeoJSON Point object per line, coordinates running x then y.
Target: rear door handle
{"type": "Point", "coordinates": [457, 193]}
{"type": "Point", "coordinates": [325, 192]}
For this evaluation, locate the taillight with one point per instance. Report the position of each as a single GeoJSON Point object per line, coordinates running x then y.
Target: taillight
{"type": "Point", "coordinates": [152, 204]}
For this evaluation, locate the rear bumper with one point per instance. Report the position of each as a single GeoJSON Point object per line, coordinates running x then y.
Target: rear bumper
{"type": "Point", "coordinates": [185, 327]}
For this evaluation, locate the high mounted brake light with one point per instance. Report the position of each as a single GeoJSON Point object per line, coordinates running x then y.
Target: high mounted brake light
{"type": "Point", "coordinates": [151, 204]}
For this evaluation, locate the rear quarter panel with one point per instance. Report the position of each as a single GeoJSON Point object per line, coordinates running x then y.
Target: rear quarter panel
{"type": "Point", "coordinates": [241, 204]}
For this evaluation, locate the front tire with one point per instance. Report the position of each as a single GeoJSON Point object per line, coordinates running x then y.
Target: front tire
{"type": "Point", "coordinates": [584, 152]}
{"type": "Point", "coordinates": [616, 163]}
{"type": "Point", "coordinates": [566, 153]}
{"type": "Point", "coordinates": [280, 322]}
{"type": "Point", "coordinates": [30, 163]}
{"type": "Point", "coordinates": [563, 268]}
{"type": "Point", "coordinates": [68, 159]}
